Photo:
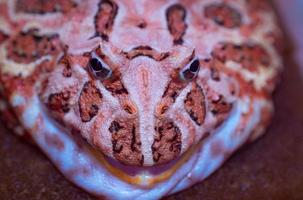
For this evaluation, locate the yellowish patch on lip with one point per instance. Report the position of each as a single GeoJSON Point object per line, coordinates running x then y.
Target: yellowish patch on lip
{"type": "Point", "coordinates": [144, 179]}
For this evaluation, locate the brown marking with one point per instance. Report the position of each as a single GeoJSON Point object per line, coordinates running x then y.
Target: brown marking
{"type": "Point", "coordinates": [126, 142]}
{"type": "Point", "coordinates": [89, 101]}
{"type": "Point", "coordinates": [214, 74]}
{"type": "Point", "coordinates": [245, 88]}
{"type": "Point", "coordinates": [214, 66]}
{"type": "Point", "coordinates": [223, 15]}
{"type": "Point", "coordinates": [115, 84]}
{"type": "Point", "coordinates": [105, 17]}
{"type": "Point", "coordinates": [3, 37]}
{"type": "Point", "coordinates": [67, 70]}
{"type": "Point", "coordinates": [167, 141]}
{"type": "Point", "coordinates": [220, 109]}
{"type": "Point", "coordinates": [59, 102]}
{"type": "Point", "coordinates": [146, 51]}
{"type": "Point", "coordinates": [129, 107]}
{"type": "Point", "coordinates": [171, 92]}
{"type": "Point", "coordinates": [175, 16]}
{"type": "Point", "coordinates": [195, 105]}
{"type": "Point", "coordinates": [174, 88]}
{"type": "Point", "coordinates": [28, 46]}
{"type": "Point", "coordinates": [250, 56]}
{"type": "Point", "coordinates": [42, 6]}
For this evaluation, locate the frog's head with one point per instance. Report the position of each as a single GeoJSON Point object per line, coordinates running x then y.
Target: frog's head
{"type": "Point", "coordinates": [140, 100]}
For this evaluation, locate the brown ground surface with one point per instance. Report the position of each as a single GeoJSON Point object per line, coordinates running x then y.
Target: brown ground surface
{"type": "Point", "coordinates": [271, 168]}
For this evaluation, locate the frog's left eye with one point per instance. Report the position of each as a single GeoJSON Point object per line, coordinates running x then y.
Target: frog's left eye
{"type": "Point", "coordinates": [99, 69]}
{"type": "Point", "coordinates": [190, 71]}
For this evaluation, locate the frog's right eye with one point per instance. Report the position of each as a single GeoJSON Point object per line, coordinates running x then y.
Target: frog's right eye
{"type": "Point", "coordinates": [190, 71]}
{"type": "Point", "coordinates": [99, 68]}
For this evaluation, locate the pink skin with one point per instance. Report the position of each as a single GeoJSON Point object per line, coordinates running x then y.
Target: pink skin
{"type": "Point", "coordinates": [76, 135]}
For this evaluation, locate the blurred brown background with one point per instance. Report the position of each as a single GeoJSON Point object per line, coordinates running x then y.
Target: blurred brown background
{"type": "Point", "coordinates": [271, 168]}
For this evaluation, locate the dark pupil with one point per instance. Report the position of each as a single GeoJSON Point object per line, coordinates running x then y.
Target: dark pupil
{"type": "Point", "coordinates": [194, 67]}
{"type": "Point", "coordinates": [97, 67]}
{"type": "Point", "coordinates": [188, 75]}
{"type": "Point", "coordinates": [95, 64]}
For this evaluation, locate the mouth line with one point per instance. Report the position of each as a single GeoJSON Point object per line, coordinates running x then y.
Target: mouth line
{"type": "Point", "coordinates": [145, 177]}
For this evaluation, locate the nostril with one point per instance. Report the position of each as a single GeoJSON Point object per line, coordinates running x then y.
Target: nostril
{"type": "Point", "coordinates": [142, 24]}
{"type": "Point", "coordinates": [163, 109]}
{"type": "Point", "coordinates": [130, 108]}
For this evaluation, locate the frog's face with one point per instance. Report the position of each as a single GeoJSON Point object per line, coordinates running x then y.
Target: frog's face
{"type": "Point", "coordinates": [140, 107]}
{"type": "Point", "coordinates": [141, 93]}
{"type": "Point", "coordinates": [140, 101]}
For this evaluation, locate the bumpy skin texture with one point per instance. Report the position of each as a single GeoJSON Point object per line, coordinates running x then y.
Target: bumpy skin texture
{"type": "Point", "coordinates": [144, 126]}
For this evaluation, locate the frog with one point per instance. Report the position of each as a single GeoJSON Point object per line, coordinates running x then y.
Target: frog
{"type": "Point", "coordinates": [138, 99]}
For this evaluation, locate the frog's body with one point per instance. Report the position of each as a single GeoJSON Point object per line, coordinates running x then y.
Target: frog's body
{"type": "Point", "coordinates": [138, 99]}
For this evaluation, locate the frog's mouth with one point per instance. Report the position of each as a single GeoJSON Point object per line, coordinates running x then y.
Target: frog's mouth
{"type": "Point", "coordinates": [145, 176]}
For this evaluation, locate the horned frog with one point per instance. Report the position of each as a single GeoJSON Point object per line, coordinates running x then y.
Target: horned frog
{"type": "Point", "coordinates": [138, 99]}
